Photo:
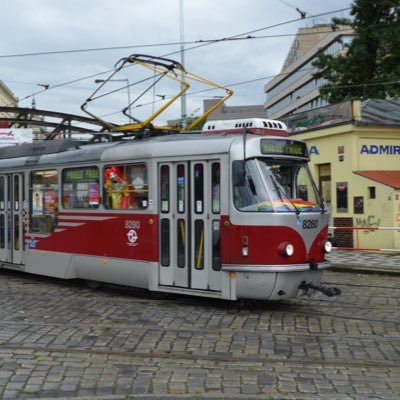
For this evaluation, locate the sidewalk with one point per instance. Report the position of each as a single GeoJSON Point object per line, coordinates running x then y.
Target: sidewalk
{"type": "Point", "coordinates": [365, 261]}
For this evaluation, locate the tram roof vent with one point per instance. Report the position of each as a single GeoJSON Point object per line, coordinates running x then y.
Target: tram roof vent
{"type": "Point", "coordinates": [257, 126]}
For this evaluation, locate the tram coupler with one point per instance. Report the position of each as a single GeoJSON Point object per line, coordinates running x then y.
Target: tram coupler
{"type": "Point", "coordinates": [327, 291]}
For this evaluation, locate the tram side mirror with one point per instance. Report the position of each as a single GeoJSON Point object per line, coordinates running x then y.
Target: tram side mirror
{"type": "Point", "coordinates": [238, 173]}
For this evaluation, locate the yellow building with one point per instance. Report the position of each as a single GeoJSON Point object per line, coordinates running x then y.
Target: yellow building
{"type": "Point", "coordinates": [355, 159]}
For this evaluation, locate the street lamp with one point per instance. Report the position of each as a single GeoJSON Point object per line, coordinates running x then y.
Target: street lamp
{"type": "Point", "coordinates": [127, 88]}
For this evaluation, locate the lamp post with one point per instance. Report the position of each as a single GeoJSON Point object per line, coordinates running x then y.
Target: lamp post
{"type": "Point", "coordinates": [126, 80]}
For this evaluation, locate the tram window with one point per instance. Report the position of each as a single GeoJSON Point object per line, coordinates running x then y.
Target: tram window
{"type": "Point", "coordinates": [180, 232]}
{"type": "Point", "coordinates": [16, 193]}
{"type": "Point", "coordinates": [9, 193]}
{"type": "Point", "coordinates": [16, 232]}
{"type": "Point", "coordinates": [180, 188]}
{"type": "Point", "coordinates": [2, 216]}
{"type": "Point", "coordinates": [246, 194]}
{"type": "Point", "coordinates": [126, 187]}
{"type": "Point", "coordinates": [44, 201]}
{"type": "Point", "coordinates": [199, 188]}
{"type": "Point", "coordinates": [165, 242]}
{"type": "Point", "coordinates": [215, 187]}
{"type": "Point", "coordinates": [2, 193]}
{"type": "Point", "coordinates": [216, 245]}
{"type": "Point", "coordinates": [274, 186]}
{"type": "Point", "coordinates": [80, 187]}
{"type": "Point", "coordinates": [164, 188]}
{"type": "Point", "coordinates": [199, 244]}
{"type": "Point", "coordinates": [2, 231]}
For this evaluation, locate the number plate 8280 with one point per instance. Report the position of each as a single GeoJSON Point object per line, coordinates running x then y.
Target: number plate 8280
{"type": "Point", "coordinates": [309, 224]}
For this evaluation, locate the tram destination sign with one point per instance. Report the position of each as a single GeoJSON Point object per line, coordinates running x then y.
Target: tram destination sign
{"type": "Point", "coordinates": [283, 147]}
{"type": "Point", "coordinates": [81, 174]}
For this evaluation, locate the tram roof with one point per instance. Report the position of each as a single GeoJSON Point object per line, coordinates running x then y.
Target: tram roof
{"type": "Point", "coordinates": [170, 146]}
{"type": "Point", "coordinates": [50, 153]}
{"type": "Point", "coordinates": [57, 152]}
{"type": "Point", "coordinates": [71, 151]}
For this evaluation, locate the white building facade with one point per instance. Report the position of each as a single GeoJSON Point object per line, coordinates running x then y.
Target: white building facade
{"type": "Point", "coordinates": [295, 89]}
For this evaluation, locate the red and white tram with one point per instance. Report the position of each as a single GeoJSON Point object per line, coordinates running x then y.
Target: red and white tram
{"type": "Point", "coordinates": [228, 215]}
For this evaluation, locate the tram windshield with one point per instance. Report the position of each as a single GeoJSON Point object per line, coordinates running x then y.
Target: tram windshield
{"type": "Point", "coordinates": [274, 185]}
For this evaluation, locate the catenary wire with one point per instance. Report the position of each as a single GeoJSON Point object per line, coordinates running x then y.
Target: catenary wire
{"type": "Point", "coordinates": [202, 44]}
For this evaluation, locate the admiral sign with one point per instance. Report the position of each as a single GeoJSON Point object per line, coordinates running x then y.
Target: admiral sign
{"type": "Point", "coordinates": [11, 136]}
{"type": "Point", "coordinates": [380, 149]}
{"type": "Point", "coordinates": [382, 153]}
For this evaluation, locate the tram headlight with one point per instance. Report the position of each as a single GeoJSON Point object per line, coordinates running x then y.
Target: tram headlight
{"type": "Point", "coordinates": [286, 249]}
{"type": "Point", "coordinates": [327, 246]}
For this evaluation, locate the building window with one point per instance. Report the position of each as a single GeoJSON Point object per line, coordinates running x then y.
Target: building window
{"type": "Point", "coordinates": [371, 192]}
{"type": "Point", "coordinates": [341, 197]}
{"type": "Point", "coordinates": [358, 205]}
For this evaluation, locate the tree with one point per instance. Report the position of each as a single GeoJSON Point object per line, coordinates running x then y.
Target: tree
{"type": "Point", "coordinates": [370, 65]}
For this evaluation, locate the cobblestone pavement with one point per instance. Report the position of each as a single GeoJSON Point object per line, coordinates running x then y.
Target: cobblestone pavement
{"type": "Point", "coordinates": [369, 259]}
{"type": "Point", "coordinates": [63, 340]}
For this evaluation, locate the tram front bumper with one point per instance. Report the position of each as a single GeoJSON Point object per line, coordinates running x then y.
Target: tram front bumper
{"type": "Point", "coordinates": [272, 282]}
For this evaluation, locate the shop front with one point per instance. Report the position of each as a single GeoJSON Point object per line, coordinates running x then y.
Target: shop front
{"type": "Point", "coordinates": [357, 166]}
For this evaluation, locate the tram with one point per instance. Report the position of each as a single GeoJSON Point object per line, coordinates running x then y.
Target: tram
{"type": "Point", "coordinates": [225, 213]}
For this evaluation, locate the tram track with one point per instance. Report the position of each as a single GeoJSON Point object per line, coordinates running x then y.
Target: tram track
{"type": "Point", "coordinates": [129, 296]}
{"type": "Point", "coordinates": [135, 294]}
{"type": "Point", "coordinates": [202, 340]}
{"type": "Point", "coordinates": [283, 308]}
{"type": "Point", "coordinates": [363, 286]}
{"type": "Point", "coordinates": [352, 318]}
{"type": "Point", "coordinates": [377, 307]}
{"type": "Point", "coordinates": [144, 294]}
{"type": "Point", "coordinates": [289, 308]}
{"type": "Point", "coordinates": [139, 328]}
{"type": "Point", "coordinates": [202, 357]}
{"type": "Point", "coordinates": [67, 324]}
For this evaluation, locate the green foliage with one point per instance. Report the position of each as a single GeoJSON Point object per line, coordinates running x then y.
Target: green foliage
{"type": "Point", "coordinates": [370, 65]}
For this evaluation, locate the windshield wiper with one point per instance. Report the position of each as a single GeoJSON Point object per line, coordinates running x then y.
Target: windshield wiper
{"type": "Point", "coordinates": [322, 205]}
{"type": "Point", "coordinates": [282, 192]}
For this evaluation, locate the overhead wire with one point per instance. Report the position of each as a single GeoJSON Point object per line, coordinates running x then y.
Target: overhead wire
{"type": "Point", "coordinates": [138, 46]}
{"type": "Point", "coordinates": [199, 44]}
{"type": "Point", "coordinates": [201, 41]}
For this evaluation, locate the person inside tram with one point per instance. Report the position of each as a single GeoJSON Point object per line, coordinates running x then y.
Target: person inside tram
{"type": "Point", "coordinates": [117, 188]}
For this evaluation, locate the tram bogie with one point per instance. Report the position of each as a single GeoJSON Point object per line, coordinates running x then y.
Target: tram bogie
{"type": "Point", "coordinates": [233, 215]}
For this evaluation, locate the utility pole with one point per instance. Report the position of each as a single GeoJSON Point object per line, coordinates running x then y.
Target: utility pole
{"type": "Point", "coordinates": [182, 41]}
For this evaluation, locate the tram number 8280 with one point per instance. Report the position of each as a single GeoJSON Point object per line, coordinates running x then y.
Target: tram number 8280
{"type": "Point", "coordinates": [310, 224]}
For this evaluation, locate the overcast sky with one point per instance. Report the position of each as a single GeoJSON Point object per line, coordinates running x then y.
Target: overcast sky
{"type": "Point", "coordinates": [124, 27]}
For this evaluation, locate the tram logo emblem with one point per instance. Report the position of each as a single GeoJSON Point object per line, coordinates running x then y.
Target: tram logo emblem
{"type": "Point", "coordinates": [132, 237]}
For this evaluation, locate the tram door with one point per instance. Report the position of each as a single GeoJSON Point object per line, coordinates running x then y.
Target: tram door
{"type": "Point", "coordinates": [11, 218]}
{"type": "Point", "coordinates": [190, 224]}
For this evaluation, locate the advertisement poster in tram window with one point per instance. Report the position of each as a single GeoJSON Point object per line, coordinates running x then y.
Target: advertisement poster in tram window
{"type": "Point", "coordinates": [93, 193]}
{"type": "Point", "coordinates": [37, 207]}
{"type": "Point", "coordinates": [50, 202]}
